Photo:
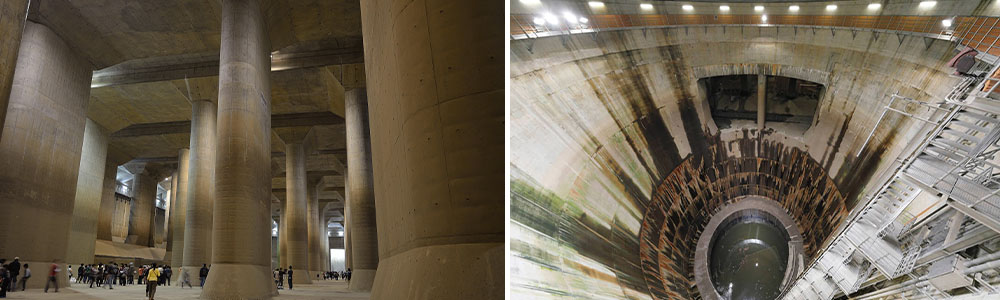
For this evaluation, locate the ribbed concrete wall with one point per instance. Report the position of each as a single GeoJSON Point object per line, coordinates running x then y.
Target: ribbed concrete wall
{"type": "Point", "coordinates": [605, 127]}
{"type": "Point", "coordinates": [12, 18]}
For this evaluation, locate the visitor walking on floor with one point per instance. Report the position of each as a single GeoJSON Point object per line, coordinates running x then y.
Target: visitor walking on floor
{"type": "Point", "coordinates": [15, 269]}
{"type": "Point", "coordinates": [24, 280]}
{"type": "Point", "coordinates": [4, 278]}
{"type": "Point", "coordinates": [203, 274]}
{"type": "Point", "coordinates": [153, 275]}
{"type": "Point", "coordinates": [289, 278]}
{"type": "Point", "coordinates": [53, 272]}
{"type": "Point", "coordinates": [185, 278]}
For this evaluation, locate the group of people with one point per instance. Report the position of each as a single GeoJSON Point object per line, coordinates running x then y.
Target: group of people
{"type": "Point", "coordinates": [14, 273]}
{"type": "Point", "coordinates": [334, 275]}
{"type": "Point", "coordinates": [112, 274]}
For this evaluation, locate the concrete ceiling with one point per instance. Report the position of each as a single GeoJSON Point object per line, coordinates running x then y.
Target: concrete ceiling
{"type": "Point", "coordinates": [153, 57]}
{"type": "Point", "coordinates": [107, 32]}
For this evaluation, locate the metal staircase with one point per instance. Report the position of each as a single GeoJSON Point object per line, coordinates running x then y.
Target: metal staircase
{"type": "Point", "coordinates": [957, 160]}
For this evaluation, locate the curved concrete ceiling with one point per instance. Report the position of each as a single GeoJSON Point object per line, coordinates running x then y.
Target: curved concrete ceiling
{"type": "Point", "coordinates": [606, 127]}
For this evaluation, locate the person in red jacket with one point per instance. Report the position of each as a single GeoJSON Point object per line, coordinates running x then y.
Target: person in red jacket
{"type": "Point", "coordinates": [53, 271]}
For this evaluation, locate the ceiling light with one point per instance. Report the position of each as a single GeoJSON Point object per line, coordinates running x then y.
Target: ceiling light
{"type": "Point", "coordinates": [687, 7]}
{"type": "Point", "coordinates": [550, 18]}
{"type": "Point", "coordinates": [570, 17]}
{"type": "Point", "coordinates": [763, 18]}
{"type": "Point", "coordinates": [946, 22]}
{"type": "Point", "coordinates": [724, 7]}
{"type": "Point", "coordinates": [831, 7]}
{"type": "Point", "coordinates": [539, 21]}
{"type": "Point", "coordinates": [584, 20]}
{"type": "Point", "coordinates": [596, 4]}
{"type": "Point", "coordinates": [758, 8]}
{"type": "Point", "coordinates": [874, 6]}
{"type": "Point", "coordinates": [646, 6]}
{"type": "Point", "coordinates": [927, 4]}
{"type": "Point", "coordinates": [793, 8]}
{"type": "Point", "coordinates": [531, 2]}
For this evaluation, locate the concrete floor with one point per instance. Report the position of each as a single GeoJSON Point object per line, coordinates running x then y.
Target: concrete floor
{"type": "Point", "coordinates": [321, 290]}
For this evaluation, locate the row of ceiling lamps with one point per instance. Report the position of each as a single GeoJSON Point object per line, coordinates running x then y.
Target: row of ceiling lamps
{"type": "Point", "coordinates": [757, 8]}
{"type": "Point", "coordinates": [549, 18]}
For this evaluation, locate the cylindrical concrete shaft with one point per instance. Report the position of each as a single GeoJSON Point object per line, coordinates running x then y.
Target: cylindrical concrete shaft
{"type": "Point", "coordinates": [170, 208]}
{"type": "Point", "coordinates": [89, 185]}
{"type": "Point", "coordinates": [761, 99]}
{"type": "Point", "coordinates": [348, 261]}
{"type": "Point", "coordinates": [13, 13]}
{"type": "Point", "coordinates": [437, 131]}
{"type": "Point", "coordinates": [325, 247]}
{"type": "Point", "coordinates": [296, 210]}
{"type": "Point", "coordinates": [178, 207]}
{"type": "Point", "coordinates": [241, 255]}
{"type": "Point", "coordinates": [40, 149]}
{"type": "Point", "coordinates": [200, 188]}
{"type": "Point", "coordinates": [364, 241]}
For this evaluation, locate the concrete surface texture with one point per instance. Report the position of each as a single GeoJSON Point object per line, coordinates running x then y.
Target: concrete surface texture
{"type": "Point", "coordinates": [12, 17]}
{"type": "Point", "coordinates": [178, 207]}
{"type": "Point", "coordinates": [106, 215]}
{"type": "Point", "coordinates": [282, 238]}
{"type": "Point", "coordinates": [201, 188]}
{"type": "Point", "coordinates": [40, 152]}
{"type": "Point", "coordinates": [364, 232]}
{"type": "Point", "coordinates": [437, 127]}
{"type": "Point", "coordinates": [87, 205]}
{"type": "Point", "coordinates": [313, 229]}
{"type": "Point", "coordinates": [140, 223]}
{"type": "Point", "coordinates": [623, 112]}
{"type": "Point", "coordinates": [241, 239]}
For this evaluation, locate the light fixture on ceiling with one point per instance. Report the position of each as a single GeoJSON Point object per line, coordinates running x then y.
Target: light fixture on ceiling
{"type": "Point", "coordinates": [946, 22]}
{"type": "Point", "coordinates": [531, 2]}
{"type": "Point", "coordinates": [724, 7]}
{"type": "Point", "coordinates": [539, 21]}
{"type": "Point", "coordinates": [646, 6]}
{"type": "Point", "coordinates": [758, 8]}
{"type": "Point", "coordinates": [596, 4]}
{"type": "Point", "coordinates": [831, 7]}
{"type": "Point", "coordinates": [763, 18]}
{"type": "Point", "coordinates": [570, 17]}
{"type": "Point", "coordinates": [793, 8]}
{"type": "Point", "coordinates": [584, 20]}
{"type": "Point", "coordinates": [687, 7]}
{"type": "Point", "coordinates": [874, 6]}
{"type": "Point", "coordinates": [927, 4]}
{"type": "Point", "coordinates": [550, 18]}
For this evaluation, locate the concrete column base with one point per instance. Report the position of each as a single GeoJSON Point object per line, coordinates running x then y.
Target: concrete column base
{"type": "Point", "coordinates": [302, 277]}
{"type": "Point", "coordinates": [40, 274]}
{"type": "Point", "coordinates": [232, 281]}
{"type": "Point", "coordinates": [405, 275]}
{"type": "Point", "coordinates": [361, 280]}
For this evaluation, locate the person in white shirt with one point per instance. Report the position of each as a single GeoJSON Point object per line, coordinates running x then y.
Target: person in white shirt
{"type": "Point", "coordinates": [27, 274]}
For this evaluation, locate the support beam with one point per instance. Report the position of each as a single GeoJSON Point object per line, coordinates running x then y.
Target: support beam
{"type": "Point", "coordinates": [364, 238]}
{"type": "Point", "coordinates": [89, 186]}
{"type": "Point", "coordinates": [277, 121]}
{"type": "Point", "coordinates": [241, 256]}
{"type": "Point", "coordinates": [13, 14]}
{"type": "Point", "coordinates": [297, 212]}
{"type": "Point", "coordinates": [178, 207]}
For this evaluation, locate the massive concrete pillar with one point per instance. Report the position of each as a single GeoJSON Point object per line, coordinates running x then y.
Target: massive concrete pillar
{"type": "Point", "coordinates": [241, 256]}
{"type": "Point", "coordinates": [364, 239]}
{"type": "Point", "coordinates": [282, 238]}
{"type": "Point", "coordinates": [761, 99]}
{"type": "Point", "coordinates": [178, 207]}
{"type": "Point", "coordinates": [314, 243]}
{"type": "Point", "coordinates": [325, 243]}
{"type": "Point", "coordinates": [141, 221]}
{"type": "Point", "coordinates": [201, 184]}
{"type": "Point", "coordinates": [437, 129]}
{"type": "Point", "coordinates": [40, 149]}
{"type": "Point", "coordinates": [13, 14]}
{"type": "Point", "coordinates": [107, 212]}
{"type": "Point", "coordinates": [89, 185]}
{"type": "Point", "coordinates": [297, 212]}
{"type": "Point", "coordinates": [347, 226]}
{"type": "Point", "coordinates": [170, 208]}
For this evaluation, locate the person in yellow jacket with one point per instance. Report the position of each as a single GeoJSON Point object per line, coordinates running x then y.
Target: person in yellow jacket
{"type": "Point", "coordinates": [152, 276]}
